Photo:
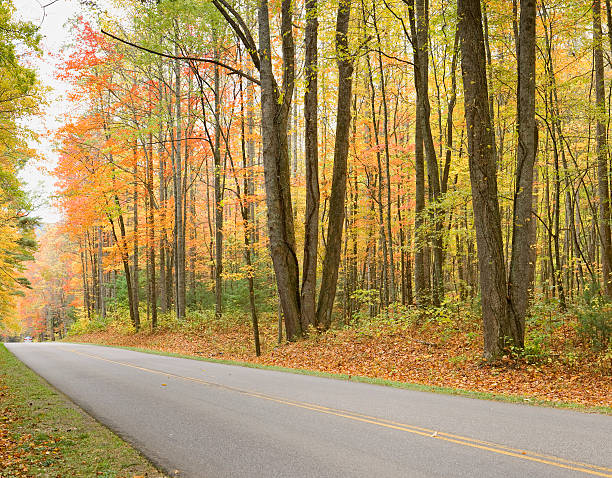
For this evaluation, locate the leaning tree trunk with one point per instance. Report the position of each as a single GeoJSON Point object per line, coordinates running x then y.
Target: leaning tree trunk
{"type": "Point", "coordinates": [483, 178]}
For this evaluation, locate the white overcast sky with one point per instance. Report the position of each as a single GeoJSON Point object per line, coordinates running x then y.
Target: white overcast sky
{"type": "Point", "coordinates": [55, 29]}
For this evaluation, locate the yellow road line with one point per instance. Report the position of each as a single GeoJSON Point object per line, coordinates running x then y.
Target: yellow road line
{"type": "Point", "coordinates": [457, 439]}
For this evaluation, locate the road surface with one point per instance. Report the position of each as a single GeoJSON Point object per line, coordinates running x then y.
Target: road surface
{"type": "Point", "coordinates": [211, 420]}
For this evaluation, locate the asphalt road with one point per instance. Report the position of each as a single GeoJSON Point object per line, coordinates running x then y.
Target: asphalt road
{"type": "Point", "coordinates": [211, 420]}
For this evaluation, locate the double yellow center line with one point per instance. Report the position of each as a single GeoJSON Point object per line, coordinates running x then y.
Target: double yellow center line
{"type": "Point", "coordinates": [438, 435]}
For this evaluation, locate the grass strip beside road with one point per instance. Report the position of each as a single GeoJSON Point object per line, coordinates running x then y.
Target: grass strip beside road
{"type": "Point", "coordinates": [42, 433]}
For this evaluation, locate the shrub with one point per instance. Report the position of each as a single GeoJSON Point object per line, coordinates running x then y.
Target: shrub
{"type": "Point", "coordinates": [594, 315]}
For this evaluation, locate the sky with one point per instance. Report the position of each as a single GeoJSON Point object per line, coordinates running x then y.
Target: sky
{"type": "Point", "coordinates": [55, 29]}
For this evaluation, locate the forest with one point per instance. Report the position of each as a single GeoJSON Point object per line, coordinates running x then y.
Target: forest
{"type": "Point", "coordinates": [294, 170]}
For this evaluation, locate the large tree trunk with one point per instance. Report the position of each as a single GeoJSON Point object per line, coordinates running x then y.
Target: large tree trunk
{"type": "Point", "coordinates": [521, 265]}
{"type": "Point", "coordinates": [602, 155]}
{"type": "Point", "coordinates": [311, 145]}
{"type": "Point", "coordinates": [421, 263]}
{"type": "Point", "coordinates": [329, 279]}
{"type": "Point", "coordinates": [483, 178]}
{"type": "Point", "coordinates": [274, 115]}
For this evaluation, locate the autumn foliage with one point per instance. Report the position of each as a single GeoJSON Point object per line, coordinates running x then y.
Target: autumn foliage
{"type": "Point", "coordinates": [187, 191]}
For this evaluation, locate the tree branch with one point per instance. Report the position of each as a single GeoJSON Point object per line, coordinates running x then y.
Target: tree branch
{"type": "Point", "coordinates": [187, 58]}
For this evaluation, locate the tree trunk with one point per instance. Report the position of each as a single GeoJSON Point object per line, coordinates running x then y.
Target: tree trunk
{"type": "Point", "coordinates": [602, 155]}
{"type": "Point", "coordinates": [101, 298]}
{"type": "Point", "coordinates": [248, 153]}
{"type": "Point", "coordinates": [179, 226]}
{"type": "Point", "coordinates": [274, 116]}
{"type": "Point", "coordinates": [136, 284]}
{"type": "Point", "coordinates": [384, 295]}
{"type": "Point", "coordinates": [420, 35]}
{"type": "Point", "coordinates": [383, 92]}
{"type": "Point", "coordinates": [421, 271]}
{"type": "Point", "coordinates": [86, 299]}
{"type": "Point", "coordinates": [218, 201]}
{"type": "Point", "coordinates": [125, 259]}
{"type": "Point", "coordinates": [519, 285]}
{"type": "Point", "coordinates": [163, 292]}
{"type": "Point", "coordinates": [311, 146]}
{"type": "Point", "coordinates": [151, 237]}
{"type": "Point", "coordinates": [329, 279]}
{"type": "Point", "coordinates": [483, 178]}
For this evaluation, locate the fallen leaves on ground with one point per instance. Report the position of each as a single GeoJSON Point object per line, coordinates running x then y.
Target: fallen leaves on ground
{"type": "Point", "coordinates": [425, 354]}
{"type": "Point", "coordinates": [18, 453]}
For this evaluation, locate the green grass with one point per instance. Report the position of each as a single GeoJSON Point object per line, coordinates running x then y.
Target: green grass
{"type": "Point", "coordinates": [606, 410]}
{"type": "Point", "coordinates": [55, 437]}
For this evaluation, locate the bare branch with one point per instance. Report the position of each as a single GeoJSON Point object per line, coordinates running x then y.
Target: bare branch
{"type": "Point", "coordinates": [187, 58]}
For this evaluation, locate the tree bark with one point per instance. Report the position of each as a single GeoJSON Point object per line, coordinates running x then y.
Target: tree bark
{"type": "Point", "coordinates": [602, 154]}
{"type": "Point", "coordinates": [125, 259]}
{"type": "Point", "coordinates": [383, 92]}
{"type": "Point", "coordinates": [218, 200]}
{"type": "Point", "coordinates": [275, 104]}
{"type": "Point", "coordinates": [519, 284]}
{"type": "Point", "coordinates": [136, 282]}
{"type": "Point", "coordinates": [100, 267]}
{"type": "Point", "coordinates": [248, 153]}
{"type": "Point", "coordinates": [311, 147]}
{"type": "Point", "coordinates": [483, 178]}
{"type": "Point", "coordinates": [179, 226]}
{"type": "Point", "coordinates": [420, 37]}
{"type": "Point", "coordinates": [151, 237]}
{"type": "Point", "coordinates": [329, 279]}
{"type": "Point", "coordinates": [384, 289]}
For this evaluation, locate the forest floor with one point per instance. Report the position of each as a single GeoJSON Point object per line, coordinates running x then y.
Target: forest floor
{"type": "Point", "coordinates": [556, 368]}
{"type": "Point", "coordinates": [44, 434]}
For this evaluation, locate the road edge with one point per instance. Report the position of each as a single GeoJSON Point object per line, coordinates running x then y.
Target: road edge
{"type": "Point", "coordinates": [516, 399]}
{"type": "Point", "coordinates": [138, 447]}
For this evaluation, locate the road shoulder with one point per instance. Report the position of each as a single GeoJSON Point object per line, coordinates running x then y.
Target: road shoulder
{"type": "Point", "coordinates": [42, 433]}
